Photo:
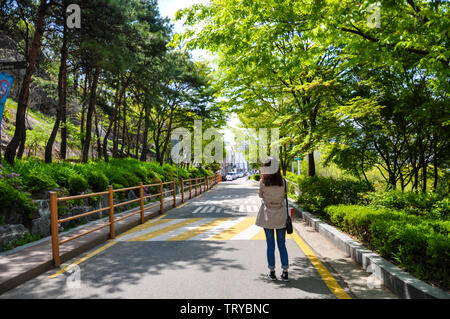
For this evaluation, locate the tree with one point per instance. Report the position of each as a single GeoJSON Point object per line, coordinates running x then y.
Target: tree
{"type": "Point", "coordinates": [31, 56]}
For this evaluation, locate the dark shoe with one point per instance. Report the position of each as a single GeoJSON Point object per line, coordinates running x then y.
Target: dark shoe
{"type": "Point", "coordinates": [272, 275]}
{"type": "Point", "coordinates": [285, 276]}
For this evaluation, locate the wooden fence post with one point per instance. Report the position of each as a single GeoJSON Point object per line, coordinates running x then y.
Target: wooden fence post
{"type": "Point", "coordinates": [141, 193]}
{"type": "Point", "coordinates": [111, 212]}
{"type": "Point", "coordinates": [182, 190]}
{"type": "Point", "coordinates": [190, 188]}
{"type": "Point", "coordinates": [174, 194]}
{"type": "Point", "coordinates": [54, 227]}
{"type": "Point", "coordinates": [161, 199]}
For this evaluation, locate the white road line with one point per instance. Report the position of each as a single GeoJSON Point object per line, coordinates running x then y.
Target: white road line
{"type": "Point", "coordinates": [211, 209]}
{"type": "Point", "coordinates": [181, 230]}
{"type": "Point", "coordinates": [249, 233]}
{"type": "Point", "coordinates": [218, 229]}
{"type": "Point", "coordinates": [147, 230]}
{"type": "Point", "coordinates": [196, 211]}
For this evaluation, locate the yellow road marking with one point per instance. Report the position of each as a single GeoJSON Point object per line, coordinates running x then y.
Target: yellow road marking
{"type": "Point", "coordinates": [199, 230]}
{"type": "Point", "coordinates": [260, 236]}
{"type": "Point", "coordinates": [164, 230]}
{"type": "Point", "coordinates": [182, 205]}
{"type": "Point", "coordinates": [234, 230]}
{"type": "Point", "coordinates": [103, 248]}
{"type": "Point", "coordinates": [146, 225]}
{"type": "Point", "coordinates": [329, 280]}
{"type": "Point", "coordinates": [79, 261]}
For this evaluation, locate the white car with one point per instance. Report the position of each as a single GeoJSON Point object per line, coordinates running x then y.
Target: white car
{"type": "Point", "coordinates": [229, 177]}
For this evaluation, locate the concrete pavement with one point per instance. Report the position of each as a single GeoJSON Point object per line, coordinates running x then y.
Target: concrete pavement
{"type": "Point", "coordinates": [207, 248]}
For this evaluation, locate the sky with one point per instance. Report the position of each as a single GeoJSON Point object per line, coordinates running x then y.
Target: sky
{"type": "Point", "coordinates": [168, 8]}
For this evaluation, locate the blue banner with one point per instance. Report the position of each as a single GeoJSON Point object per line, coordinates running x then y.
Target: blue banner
{"type": "Point", "coordinates": [6, 82]}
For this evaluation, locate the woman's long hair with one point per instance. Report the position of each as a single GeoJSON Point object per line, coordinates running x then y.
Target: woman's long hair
{"type": "Point", "coordinates": [272, 179]}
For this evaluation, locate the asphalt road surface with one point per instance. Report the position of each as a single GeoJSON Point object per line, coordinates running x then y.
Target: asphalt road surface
{"type": "Point", "coordinates": [208, 248]}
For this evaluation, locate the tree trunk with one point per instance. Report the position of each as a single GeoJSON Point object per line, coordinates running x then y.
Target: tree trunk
{"type": "Point", "coordinates": [138, 134]}
{"type": "Point", "coordinates": [145, 135]}
{"type": "Point", "coordinates": [90, 113]}
{"type": "Point", "coordinates": [63, 146]}
{"type": "Point", "coordinates": [83, 108]}
{"type": "Point", "coordinates": [97, 133]}
{"type": "Point", "coordinates": [436, 169]}
{"type": "Point", "coordinates": [62, 89]}
{"type": "Point", "coordinates": [424, 177]}
{"type": "Point", "coordinates": [20, 131]}
{"type": "Point", "coordinates": [22, 144]}
{"type": "Point", "coordinates": [118, 98]}
{"type": "Point", "coordinates": [124, 126]}
{"type": "Point", "coordinates": [312, 165]}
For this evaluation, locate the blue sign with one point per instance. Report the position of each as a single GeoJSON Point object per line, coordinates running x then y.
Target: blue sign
{"type": "Point", "coordinates": [6, 82]}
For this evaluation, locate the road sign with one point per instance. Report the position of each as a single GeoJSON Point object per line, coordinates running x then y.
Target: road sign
{"type": "Point", "coordinates": [6, 82]}
{"type": "Point", "coordinates": [5, 66]}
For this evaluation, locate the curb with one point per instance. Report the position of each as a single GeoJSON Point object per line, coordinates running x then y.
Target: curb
{"type": "Point", "coordinates": [399, 282]}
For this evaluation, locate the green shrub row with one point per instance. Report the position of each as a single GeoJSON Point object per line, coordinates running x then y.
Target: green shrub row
{"type": "Point", "coordinates": [419, 246]}
{"type": "Point", "coordinates": [318, 192]}
{"type": "Point", "coordinates": [256, 177]}
{"type": "Point", "coordinates": [10, 196]}
{"type": "Point", "coordinates": [36, 176]}
{"type": "Point", "coordinates": [430, 205]}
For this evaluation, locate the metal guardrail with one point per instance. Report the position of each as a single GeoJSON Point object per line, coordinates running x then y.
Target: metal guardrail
{"type": "Point", "coordinates": [200, 185]}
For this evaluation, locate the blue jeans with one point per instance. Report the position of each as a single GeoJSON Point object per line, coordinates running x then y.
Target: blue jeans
{"type": "Point", "coordinates": [281, 242]}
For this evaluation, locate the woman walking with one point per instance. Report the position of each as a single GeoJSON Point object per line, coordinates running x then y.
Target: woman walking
{"type": "Point", "coordinates": [272, 216]}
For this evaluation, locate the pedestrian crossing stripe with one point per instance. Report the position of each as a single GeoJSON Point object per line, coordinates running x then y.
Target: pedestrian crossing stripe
{"type": "Point", "coordinates": [233, 231]}
{"type": "Point", "coordinates": [164, 230]}
{"type": "Point", "coordinates": [199, 230]}
{"type": "Point", "coordinates": [217, 229]}
{"type": "Point", "coordinates": [216, 209]}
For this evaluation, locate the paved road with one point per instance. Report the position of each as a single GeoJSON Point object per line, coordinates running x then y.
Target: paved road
{"type": "Point", "coordinates": [207, 248]}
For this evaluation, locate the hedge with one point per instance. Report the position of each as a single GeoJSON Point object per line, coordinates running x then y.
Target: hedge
{"type": "Point", "coordinates": [318, 192]}
{"type": "Point", "coordinates": [419, 246]}
{"type": "Point", "coordinates": [32, 176]}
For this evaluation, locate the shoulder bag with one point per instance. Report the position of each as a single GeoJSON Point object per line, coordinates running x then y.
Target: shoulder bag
{"type": "Point", "coordinates": [289, 229]}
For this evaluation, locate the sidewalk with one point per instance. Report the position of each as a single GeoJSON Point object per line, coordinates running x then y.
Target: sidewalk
{"type": "Point", "coordinates": [25, 263]}
{"type": "Point", "coordinates": [339, 250]}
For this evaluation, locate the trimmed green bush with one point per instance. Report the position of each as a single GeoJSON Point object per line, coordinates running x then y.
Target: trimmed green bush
{"type": "Point", "coordinates": [319, 192]}
{"type": "Point", "coordinates": [132, 180]}
{"type": "Point", "coordinates": [256, 177]}
{"type": "Point", "coordinates": [419, 246]}
{"type": "Point", "coordinates": [98, 181]}
{"type": "Point", "coordinates": [11, 196]}
{"type": "Point", "coordinates": [117, 177]}
{"type": "Point", "coordinates": [38, 181]}
{"type": "Point", "coordinates": [77, 184]}
{"type": "Point", "coordinates": [431, 205]}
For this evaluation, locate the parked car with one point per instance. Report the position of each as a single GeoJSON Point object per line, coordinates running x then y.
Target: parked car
{"type": "Point", "coordinates": [230, 177]}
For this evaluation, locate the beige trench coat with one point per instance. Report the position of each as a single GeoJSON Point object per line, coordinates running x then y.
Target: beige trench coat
{"type": "Point", "coordinates": [272, 213]}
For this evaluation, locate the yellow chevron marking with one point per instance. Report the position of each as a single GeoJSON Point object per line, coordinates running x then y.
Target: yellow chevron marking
{"type": "Point", "coordinates": [234, 230]}
{"type": "Point", "coordinates": [146, 225]}
{"type": "Point", "coordinates": [199, 230]}
{"type": "Point", "coordinates": [164, 230]}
